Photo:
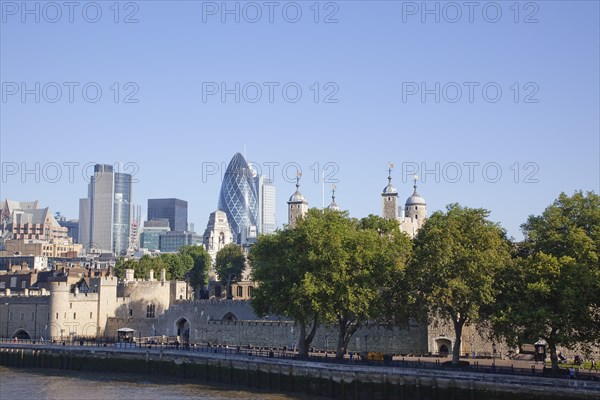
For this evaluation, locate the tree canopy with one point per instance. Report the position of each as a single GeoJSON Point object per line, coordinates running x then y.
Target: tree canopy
{"type": "Point", "coordinates": [553, 290]}
{"type": "Point", "coordinates": [176, 266]}
{"type": "Point", "coordinates": [229, 264]}
{"type": "Point", "coordinates": [198, 275]}
{"type": "Point", "coordinates": [329, 268]}
{"type": "Point", "coordinates": [457, 256]}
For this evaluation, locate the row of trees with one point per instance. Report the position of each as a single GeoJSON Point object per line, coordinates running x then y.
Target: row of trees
{"type": "Point", "coordinates": [190, 263]}
{"type": "Point", "coordinates": [461, 268]}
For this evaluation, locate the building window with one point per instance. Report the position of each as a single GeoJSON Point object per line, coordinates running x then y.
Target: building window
{"type": "Point", "coordinates": [56, 315]}
{"type": "Point", "coordinates": [131, 312]}
{"type": "Point", "coordinates": [74, 315]}
{"type": "Point", "coordinates": [70, 306]}
{"type": "Point", "coordinates": [13, 281]}
{"type": "Point", "coordinates": [250, 291]}
{"type": "Point", "coordinates": [150, 311]}
{"type": "Point", "coordinates": [22, 316]}
{"type": "Point", "coordinates": [23, 284]}
{"type": "Point", "coordinates": [32, 316]}
{"type": "Point", "coordinates": [240, 291]}
{"type": "Point", "coordinates": [2, 285]}
{"type": "Point", "coordinates": [91, 315]}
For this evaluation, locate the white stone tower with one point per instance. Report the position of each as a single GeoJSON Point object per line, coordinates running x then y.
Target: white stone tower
{"type": "Point", "coordinates": [389, 198]}
{"type": "Point", "coordinates": [216, 236]}
{"type": "Point", "coordinates": [416, 208]}
{"type": "Point", "coordinates": [297, 205]}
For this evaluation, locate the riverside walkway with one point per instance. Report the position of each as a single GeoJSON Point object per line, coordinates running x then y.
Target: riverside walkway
{"type": "Point", "coordinates": [489, 375]}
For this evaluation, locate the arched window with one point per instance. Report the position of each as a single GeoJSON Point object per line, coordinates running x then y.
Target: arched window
{"type": "Point", "coordinates": [150, 311]}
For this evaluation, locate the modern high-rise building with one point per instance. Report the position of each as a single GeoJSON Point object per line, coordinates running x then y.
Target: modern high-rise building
{"type": "Point", "coordinates": [152, 232]}
{"type": "Point", "coordinates": [172, 241]}
{"type": "Point", "coordinates": [123, 212]}
{"type": "Point", "coordinates": [105, 215]}
{"type": "Point", "coordinates": [266, 201]}
{"type": "Point", "coordinates": [239, 199]}
{"type": "Point", "coordinates": [175, 210]}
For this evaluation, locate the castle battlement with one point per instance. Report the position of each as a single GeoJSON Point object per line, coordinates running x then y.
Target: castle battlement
{"type": "Point", "coordinates": [83, 296]}
{"type": "Point", "coordinates": [20, 299]}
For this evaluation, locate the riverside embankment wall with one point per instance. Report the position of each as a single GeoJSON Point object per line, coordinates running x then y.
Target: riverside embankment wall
{"type": "Point", "coordinates": [313, 379]}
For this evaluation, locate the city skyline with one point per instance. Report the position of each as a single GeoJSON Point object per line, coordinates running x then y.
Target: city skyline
{"type": "Point", "coordinates": [473, 106]}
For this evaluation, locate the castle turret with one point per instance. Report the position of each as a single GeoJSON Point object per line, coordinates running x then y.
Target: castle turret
{"type": "Point", "coordinates": [59, 303]}
{"type": "Point", "coordinates": [297, 205]}
{"type": "Point", "coordinates": [416, 207]}
{"type": "Point", "coordinates": [333, 206]}
{"type": "Point", "coordinates": [389, 198]}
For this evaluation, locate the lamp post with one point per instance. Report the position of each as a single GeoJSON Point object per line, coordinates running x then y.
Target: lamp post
{"type": "Point", "coordinates": [7, 314]}
{"type": "Point", "coordinates": [367, 345]}
{"type": "Point", "coordinates": [35, 323]}
{"type": "Point", "coordinates": [326, 345]}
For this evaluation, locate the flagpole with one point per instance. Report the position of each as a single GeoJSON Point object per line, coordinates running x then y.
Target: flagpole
{"type": "Point", "coordinates": [323, 189]}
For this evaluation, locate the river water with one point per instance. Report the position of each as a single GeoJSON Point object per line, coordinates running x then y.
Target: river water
{"type": "Point", "coordinates": [42, 384]}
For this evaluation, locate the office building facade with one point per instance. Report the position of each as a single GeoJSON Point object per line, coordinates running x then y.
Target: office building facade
{"type": "Point", "coordinates": [105, 215]}
{"type": "Point", "coordinates": [175, 210]}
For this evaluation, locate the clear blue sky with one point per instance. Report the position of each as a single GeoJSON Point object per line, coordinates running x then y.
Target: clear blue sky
{"type": "Point", "coordinates": [375, 56]}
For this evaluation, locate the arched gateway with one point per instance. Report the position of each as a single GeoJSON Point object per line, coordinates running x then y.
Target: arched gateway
{"type": "Point", "coordinates": [183, 330]}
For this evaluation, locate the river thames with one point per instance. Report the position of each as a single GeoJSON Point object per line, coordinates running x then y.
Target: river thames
{"type": "Point", "coordinates": [24, 384]}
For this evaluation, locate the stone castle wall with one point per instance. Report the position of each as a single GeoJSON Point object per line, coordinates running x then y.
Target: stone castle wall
{"type": "Point", "coordinates": [234, 323]}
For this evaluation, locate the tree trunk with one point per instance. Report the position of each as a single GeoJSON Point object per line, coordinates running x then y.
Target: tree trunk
{"type": "Point", "coordinates": [229, 294]}
{"type": "Point", "coordinates": [306, 340]}
{"type": "Point", "coordinates": [458, 327]}
{"type": "Point", "coordinates": [342, 344]}
{"type": "Point", "coordinates": [553, 356]}
{"type": "Point", "coordinates": [302, 345]}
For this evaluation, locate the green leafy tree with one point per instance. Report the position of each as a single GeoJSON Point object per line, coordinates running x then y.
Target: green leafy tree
{"type": "Point", "coordinates": [553, 290]}
{"type": "Point", "coordinates": [229, 264]}
{"type": "Point", "coordinates": [457, 257]}
{"type": "Point", "coordinates": [177, 265]}
{"type": "Point", "coordinates": [122, 265]}
{"type": "Point", "coordinates": [147, 263]}
{"type": "Point", "coordinates": [328, 268]}
{"type": "Point", "coordinates": [396, 304]}
{"type": "Point", "coordinates": [282, 271]}
{"type": "Point", "coordinates": [198, 275]}
{"type": "Point", "coordinates": [361, 261]}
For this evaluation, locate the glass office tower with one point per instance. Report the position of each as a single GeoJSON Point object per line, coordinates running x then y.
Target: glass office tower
{"type": "Point", "coordinates": [175, 210]}
{"type": "Point", "coordinates": [239, 199]}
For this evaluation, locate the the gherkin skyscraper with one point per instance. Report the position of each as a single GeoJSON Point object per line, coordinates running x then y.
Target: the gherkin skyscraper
{"type": "Point", "coordinates": [239, 199]}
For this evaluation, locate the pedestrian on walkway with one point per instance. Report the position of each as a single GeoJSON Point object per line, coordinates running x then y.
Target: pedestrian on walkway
{"type": "Point", "coordinates": [593, 365]}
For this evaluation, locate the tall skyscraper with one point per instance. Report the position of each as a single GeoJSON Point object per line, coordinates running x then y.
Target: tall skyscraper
{"type": "Point", "coordinates": [239, 199]}
{"type": "Point", "coordinates": [122, 212]}
{"type": "Point", "coordinates": [175, 210]}
{"type": "Point", "coordinates": [105, 215]}
{"type": "Point", "coordinates": [266, 200]}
